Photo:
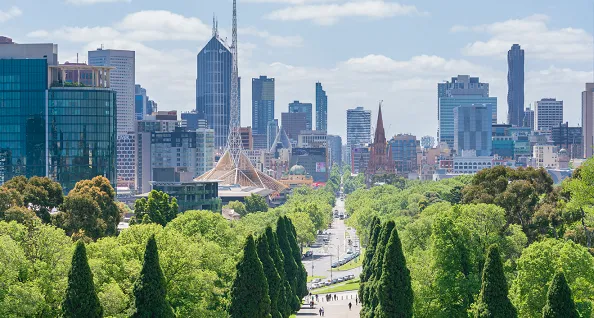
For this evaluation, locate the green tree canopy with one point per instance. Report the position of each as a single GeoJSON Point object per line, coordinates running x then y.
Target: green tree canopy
{"type": "Point", "coordinates": [236, 206]}
{"type": "Point", "coordinates": [493, 301]}
{"type": "Point", "coordinates": [272, 276]}
{"type": "Point", "coordinates": [41, 193]}
{"type": "Point", "coordinates": [559, 302]}
{"type": "Point", "coordinates": [395, 290]}
{"type": "Point", "coordinates": [255, 203]}
{"type": "Point", "coordinates": [150, 289]}
{"type": "Point", "coordinates": [249, 294]}
{"type": "Point", "coordinates": [81, 299]}
{"type": "Point", "coordinates": [292, 271]}
{"type": "Point", "coordinates": [159, 206]}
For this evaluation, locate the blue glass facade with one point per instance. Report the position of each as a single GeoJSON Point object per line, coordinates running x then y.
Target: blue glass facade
{"type": "Point", "coordinates": [473, 129]}
{"type": "Point", "coordinates": [82, 135]}
{"type": "Point", "coordinates": [404, 153]}
{"type": "Point", "coordinates": [213, 88]}
{"type": "Point", "coordinates": [515, 84]}
{"type": "Point", "coordinates": [321, 108]}
{"type": "Point", "coordinates": [262, 104]}
{"type": "Point", "coordinates": [23, 84]}
{"type": "Point", "coordinates": [446, 113]}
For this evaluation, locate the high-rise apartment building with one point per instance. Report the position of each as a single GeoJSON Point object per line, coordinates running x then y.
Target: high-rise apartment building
{"type": "Point", "coordinates": [50, 127]}
{"type": "Point", "coordinates": [271, 132]}
{"type": "Point", "coordinates": [358, 127]}
{"type": "Point", "coordinates": [306, 108]}
{"type": "Point", "coordinates": [213, 87]}
{"type": "Point", "coordinates": [123, 81]}
{"type": "Point", "coordinates": [548, 113]}
{"type": "Point", "coordinates": [462, 90]}
{"type": "Point", "coordinates": [588, 120]}
{"type": "Point", "coordinates": [515, 86]}
{"type": "Point", "coordinates": [473, 129]}
{"type": "Point", "coordinates": [321, 108]}
{"type": "Point", "coordinates": [262, 104]}
{"type": "Point", "coordinates": [568, 138]}
{"type": "Point", "coordinates": [247, 141]}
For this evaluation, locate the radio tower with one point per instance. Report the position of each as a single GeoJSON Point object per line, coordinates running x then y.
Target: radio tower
{"type": "Point", "coordinates": [235, 167]}
{"type": "Point", "coordinates": [234, 146]}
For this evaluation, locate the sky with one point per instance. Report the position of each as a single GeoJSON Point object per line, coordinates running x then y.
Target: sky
{"type": "Point", "coordinates": [362, 51]}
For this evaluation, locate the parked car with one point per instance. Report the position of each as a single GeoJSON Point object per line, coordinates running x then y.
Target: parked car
{"type": "Point", "coordinates": [317, 280]}
{"type": "Point", "coordinates": [335, 264]}
{"type": "Point", "coordinates": [307, 254]}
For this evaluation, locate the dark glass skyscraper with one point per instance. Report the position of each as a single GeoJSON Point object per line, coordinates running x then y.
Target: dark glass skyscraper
{"type": "Point", "coordinates": [213, 88]}
{"type": "Point", "coordinates": [262, 104]}
{"type": "Point", "coordinates": [82, 134]}
{"type": "Point", "coordinates": [515, 86]}
{"type": "Point", "coordinates": [23, 84]}
{"type": "Point", "coordinates": [321, 108]}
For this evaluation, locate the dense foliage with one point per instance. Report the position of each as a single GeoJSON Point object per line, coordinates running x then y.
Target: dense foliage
{"type": "Point", "coordinates": [559, 301]}
{"type": "Point", "coordinates": [447, 227]}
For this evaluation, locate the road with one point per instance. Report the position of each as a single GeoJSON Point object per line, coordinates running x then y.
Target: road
{"type": "Point", "coordinates": [321, 266]}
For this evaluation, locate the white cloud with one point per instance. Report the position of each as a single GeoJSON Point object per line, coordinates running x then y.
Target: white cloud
{"type": "Point", "coordinates": [87, 2]}
{"type": "Point", "coordinates": [11, 13]}
{"type": "Point", "coordinates": [273, 40]}
{"type": "Point", "coordinates": [327, 14]}
{"type": "Point", "coordinates": [289, 1]}
{"type": "Point", "coordinates": [163, 25]}
{"type": "Point", "coordinates": [77, 34]}
{"type": "Point", "coordinates": [534, 35]}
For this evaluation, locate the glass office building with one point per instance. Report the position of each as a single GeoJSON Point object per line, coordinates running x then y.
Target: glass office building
{"type": "Point", "coordinates": [446, 113]}
{"type": "Point", "coordinates": [23, 84]}
{"type": "Point", "coordinates": [213, 88]}
{"type": "Point", "coordinates": [82, 134]}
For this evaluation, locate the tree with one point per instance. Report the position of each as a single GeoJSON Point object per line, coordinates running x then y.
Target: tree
{"type": "Point", "coordinates": [236, 206]}
{"type": "Point", "coordinates": [395, 290]}
{"type": "Point", "coordinates": [249, 293]}
{"type": "Point", "coordinates": [370, 297]}
{"type": "Point", "coordinates": [296, 252]}
{"type": "Point", "coordinates": [82, 212]}
{"type": "Point", "coordinates": [255, 203]}
{"type": "Point", "coordinates": [493, 301]}
{"type": "Point", "coordinates": [9, 198]}
{"type": "Point", "coordinates": [150, 289]}
{"type": "Point", "coordinates": [559, 301]}
{"type": "Point", "coordinates": [41, 193]}
{"type": "Point", "coordinates": [290, 266]}
{"type": "Point", "coordinates": [366, 270]}
{"type": "Point", "coordinates": [306, 232]}
{"type": "Point", "coordinates": [286, 295]}
{"type": "Point", "coordinates": [81, 299]}
{"type": "Point", "coordinates": [21, 215]}
{"type": "Point", "coordinates": [160, 207]}
{"type": "Point", "coordinates": [271, 274]}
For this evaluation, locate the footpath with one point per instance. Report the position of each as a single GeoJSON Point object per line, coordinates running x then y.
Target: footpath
{"type": "Point", "coordinates": [338, 308]}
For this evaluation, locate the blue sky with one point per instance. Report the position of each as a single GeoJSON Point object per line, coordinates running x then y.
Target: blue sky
{"type": "Point", "coordinates": [362, 51]}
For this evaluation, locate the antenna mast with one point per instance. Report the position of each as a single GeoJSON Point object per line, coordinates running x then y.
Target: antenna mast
{"type": "Point", "coordinates": [234, 145]}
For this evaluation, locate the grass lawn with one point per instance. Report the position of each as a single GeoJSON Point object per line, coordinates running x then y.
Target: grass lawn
{"type": "Point", "coordinates": [310, 278]}
{"type": "Point", "coordinates": [351, 285]}
{"type": "Point", "coordinates": [354, 263]}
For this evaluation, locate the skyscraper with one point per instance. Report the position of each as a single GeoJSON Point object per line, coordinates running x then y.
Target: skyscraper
{"type": "Point", "coordinates": [262, 104]}
{"type": "Point", "coordinates": [293, 124]}
{"type": "Point", "coordinates": [515, 86]}
{"type": "Point", "coordinates": [588, 120]}
{"type": "Point", "coordinates": [529, 118]}
{"type": "Point", "coordinates": [123, 81]}
{"type": "Point", "coordinates": [213, 87]}
{"type": "Point", "coordinates": [299, 107]}
{"type": "Point", "coordinates": [473, 129]}
{"type": "Point", "coordinates": [321, 108]}
{"type": "Point", "coordinates": [404, 152]}
{"type": "Point", "coordinates": [335, 146]}
{"type": "Point", "coordinates": [548, 113]}
{"type": "Point", "coordinates": [140, 102]}
{"type": "Point", "coordinates": [462, 90]}
{"type": "Point", "coordinates": [358, 127]}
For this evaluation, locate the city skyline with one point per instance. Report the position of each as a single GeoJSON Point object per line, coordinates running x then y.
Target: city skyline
{"type": "Point", "coordinates": [299, 53]}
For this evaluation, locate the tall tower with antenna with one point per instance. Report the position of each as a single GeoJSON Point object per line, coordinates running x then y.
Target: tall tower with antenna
{"type": "Point", "coordinates": [235, 167]}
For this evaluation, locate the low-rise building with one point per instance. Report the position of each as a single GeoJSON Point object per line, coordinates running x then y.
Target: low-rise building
{"type": "Point", "coordinates": [546, 156]}
{"type": "Point", "coordinates": [470, 163]}
{"type": "Point", "coordinates": [192, 195]}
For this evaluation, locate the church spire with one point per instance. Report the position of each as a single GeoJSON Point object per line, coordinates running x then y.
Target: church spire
{"type": "Point", "coordinates": [380, 133]}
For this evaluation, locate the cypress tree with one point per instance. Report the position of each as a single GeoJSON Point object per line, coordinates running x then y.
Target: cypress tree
{"type": "Point", "coordinates": [249, 293]}
{"type": "Point", "coordinates": [559, 301]}
{"type": "Point", "coordinates": [81, 299]}
{"type": "Point", "coordinates": [366, 264]}
{"type": "Point", "coordinates": [493, 301]}
{"type": "Point", "coordinates": [150, 290]}
{"type": "Point", "coordinates": [302, 278]}
{"type": "Point", "coordinates": [271, 274]}
{"type": "Point", "coordinates": [371, 292]}
{"type": "Point", "coordinates": [395, 291]}
{"type": "Point", "coordinates": [285, 292]}
{"type": "Point", "coordinates": [291, 269]}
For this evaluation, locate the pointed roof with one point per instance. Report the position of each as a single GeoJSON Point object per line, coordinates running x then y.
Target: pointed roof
{"type": "Point", "coordinates": [380, 133]}
{"type": "Point", "coordinates": [282, 138]}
